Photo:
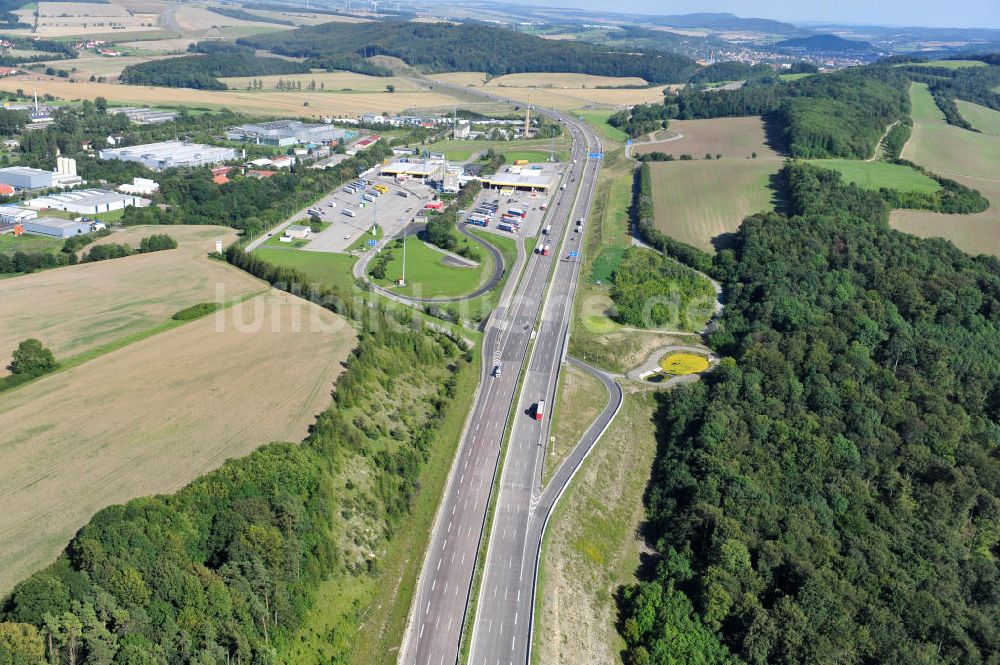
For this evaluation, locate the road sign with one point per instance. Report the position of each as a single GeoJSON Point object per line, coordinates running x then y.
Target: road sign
{"type": "Point", "coordinates": [574, 254]}
{"type": "Point", "coordinates": [595, 155]}
{"type": "Point", "coordinates": [629, 142]}
{"type": "Point", "coordinates": [372, 243]}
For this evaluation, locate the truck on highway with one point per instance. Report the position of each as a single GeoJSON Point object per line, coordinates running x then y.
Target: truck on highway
{"type": "Point", "coordinates": [540, 409]}
{"type": "Point", "coordinates": [545, 249]}
{"type": "Point", "coordinates": [547, 230]}
{"type": "Point", "coordinates": [496, 370]}
{"type": "Point", "coordinates": [563, 188]}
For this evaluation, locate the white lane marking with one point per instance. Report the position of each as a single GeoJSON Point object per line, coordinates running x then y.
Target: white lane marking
{"type": "Point", "coordinates": [434, 584]}
{"type": "Point", "coordinates": [428, 608]}
{"type": "Point", "coordinates": [515, 618]}
{"type": "Point", "coordinates": [439, 564]}
{"type": "Point", "coordinates": [422, 626]}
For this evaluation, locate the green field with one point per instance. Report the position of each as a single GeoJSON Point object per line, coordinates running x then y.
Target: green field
{"type": "Point", "coordinates": [945, 149]}
{"type": "Point", "coordinates": [700, 200]}
{"type": "Point", "coordinates": [599, 120]}
{"type": "Point", "coordinates": [953, 64]}
{"type": "Point", "coordinates": [10, 244]}
{"type": "Point", "coordinates": [537, 149]}
{"type": "Point", "coordinates": [982, 118]}
{"type": "Point", "coordinates": [971, 158]}
{"type": "Point", "coordinates": [876, 175]}
{"type": "Point", "coordinates": [321, 267]}
{"type": "Point", "coordinates": [427, 276]}
{"type": "Point", "coordinates": [922, 105]}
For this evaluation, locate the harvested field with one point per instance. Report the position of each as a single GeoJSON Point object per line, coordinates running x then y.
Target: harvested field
{"type": "Point", "coordinates": [194, 19]}
{"type": "Point", "coordinates": [592, 544]}
{"type": "Point", "coordinates": [462, 78]}
{"type": "Point", "coordinates": [698, 201]}
{"type": "Point", "coordinates": [152, 416]}
{"type": "Point", "coordinates": [178, 44]}
{"type": "Point", "coordinates": [570, 99]}
{"type": "Point", "coordinates": [99, 65]}
{"type": "Point", "coordinates": [77, 308]}
{"type": "Point", "coordinates": [60, 19]}
{"type": "Point", "coordinates": [332, 82]}
{"type": "Point", "coordinates": [561, 81]}
{"type": "Point", "coordinates": [735, 138]}
{"type": "Point", "coordinates": [972, 159]}
{"type": "Point", "coordinates": [282, 104]}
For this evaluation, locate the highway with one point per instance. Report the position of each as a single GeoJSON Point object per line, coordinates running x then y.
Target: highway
{"type": "Point", "coordinates": [501, 632]}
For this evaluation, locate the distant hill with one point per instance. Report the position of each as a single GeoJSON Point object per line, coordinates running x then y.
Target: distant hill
{"type": "Point", "coordinates": [726, 21]}
{"type": "Point", "coordinates": [826, 44]}
{"type": "Point", "coordinates": [444, 47]}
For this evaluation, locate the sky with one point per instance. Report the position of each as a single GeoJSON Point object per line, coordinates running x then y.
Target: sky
{"type": "Point", "coordinates": [933, 13]}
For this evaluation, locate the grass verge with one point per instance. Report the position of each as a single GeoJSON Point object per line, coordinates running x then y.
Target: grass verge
{"type": "Point", "coordinates": [360, 620]}
{"type": "Point", "coordinates": [591, 546]}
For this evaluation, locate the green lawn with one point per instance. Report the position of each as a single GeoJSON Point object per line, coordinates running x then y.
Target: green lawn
{"type": "Point", "coordinates": [598, 118]}
{"type": "Point", "coordinates": [28, 243]}
{"type": "Point", "coordinates": [876, 175]}
{"type": "Point", "coordinates": [538, 149]}
{"type": "Point", "coordinates": [322, 267]}
{"type": "Point", "coordinates": [427, 276]}
{"type": "Point", "coordinates": [982, 118]}
{"type": "Point", "coordinates": [533, 156]}
{"type": "Point", "coordinates": [362, 242]}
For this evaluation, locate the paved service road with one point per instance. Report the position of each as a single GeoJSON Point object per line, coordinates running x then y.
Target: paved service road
{"type": "Point", "coordinates": [502, 626]}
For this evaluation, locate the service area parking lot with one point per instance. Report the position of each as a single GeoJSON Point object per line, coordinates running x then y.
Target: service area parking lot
{"type": "Point", "coordinates": [533, 204]}
{"type": "Point", "coordinates": [392, 211]}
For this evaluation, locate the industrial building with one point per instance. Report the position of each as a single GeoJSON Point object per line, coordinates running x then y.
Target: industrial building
{"type": "Point", "coordinates": [55, 227]}
{"type": "Point", "coordinates": [24, 177]}
{"type": "Point", "coordinates": [526, 179]}
{"type": "Point", "coordinates": [87, 201]}
{"type": "Point", "coordinates": [422, 170]}
{"type": "Point", "coordinates": [140, 187]}
{"type": "Point", "coordinates": [282, 133]}
{"type": "Point", "coordinates": [144, 116]}
{"type": "Point", "coordinates": [170, 154]}
{"type": "Point", "coordinates": [16, 215]}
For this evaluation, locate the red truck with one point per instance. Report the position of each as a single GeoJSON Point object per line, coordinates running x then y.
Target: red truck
{"type": "Point", "coordinates": [540, 409]}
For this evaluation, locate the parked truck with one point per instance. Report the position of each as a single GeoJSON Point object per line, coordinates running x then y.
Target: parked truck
{"type": "Point", "coordinates": [350, 213]}
{"type": "Point", "coordinates": [505, 227]}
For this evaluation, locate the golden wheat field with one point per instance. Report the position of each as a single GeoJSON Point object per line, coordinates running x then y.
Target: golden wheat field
{"type": "Point", "coordinates": [264, 103]}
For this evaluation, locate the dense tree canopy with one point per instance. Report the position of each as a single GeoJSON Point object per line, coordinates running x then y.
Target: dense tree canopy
{"type": "Point", "coordinates": [832, 493]}
{"type": "Point", "coordinates": [202, 71]}
{"type": "Point", "coordinates": [834, 115]}
{"type": "Point", "coordinates": [444, 47]}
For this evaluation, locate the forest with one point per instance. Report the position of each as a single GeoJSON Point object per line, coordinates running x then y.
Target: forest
{"type": "Point", "coordinates": [831, 494]}
{"type": "Point", "coordinates": [201, 71]}
{"type": "Point", "coordinates": [443, 47]}
{"type": "Point", "coordinates": [842, 114]}
{"type": "Point", "coordinates": [226, 569]}
{"type": "Point", "coordinates": [972, 84]}
{"type": "Point", "coordinates": [640, 120]}
{"type": "Point", "coordinates": [651, 290]}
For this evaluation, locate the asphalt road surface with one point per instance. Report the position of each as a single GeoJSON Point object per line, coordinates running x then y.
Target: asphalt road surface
{"type": "Point", "coordinates": [502, 626]}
